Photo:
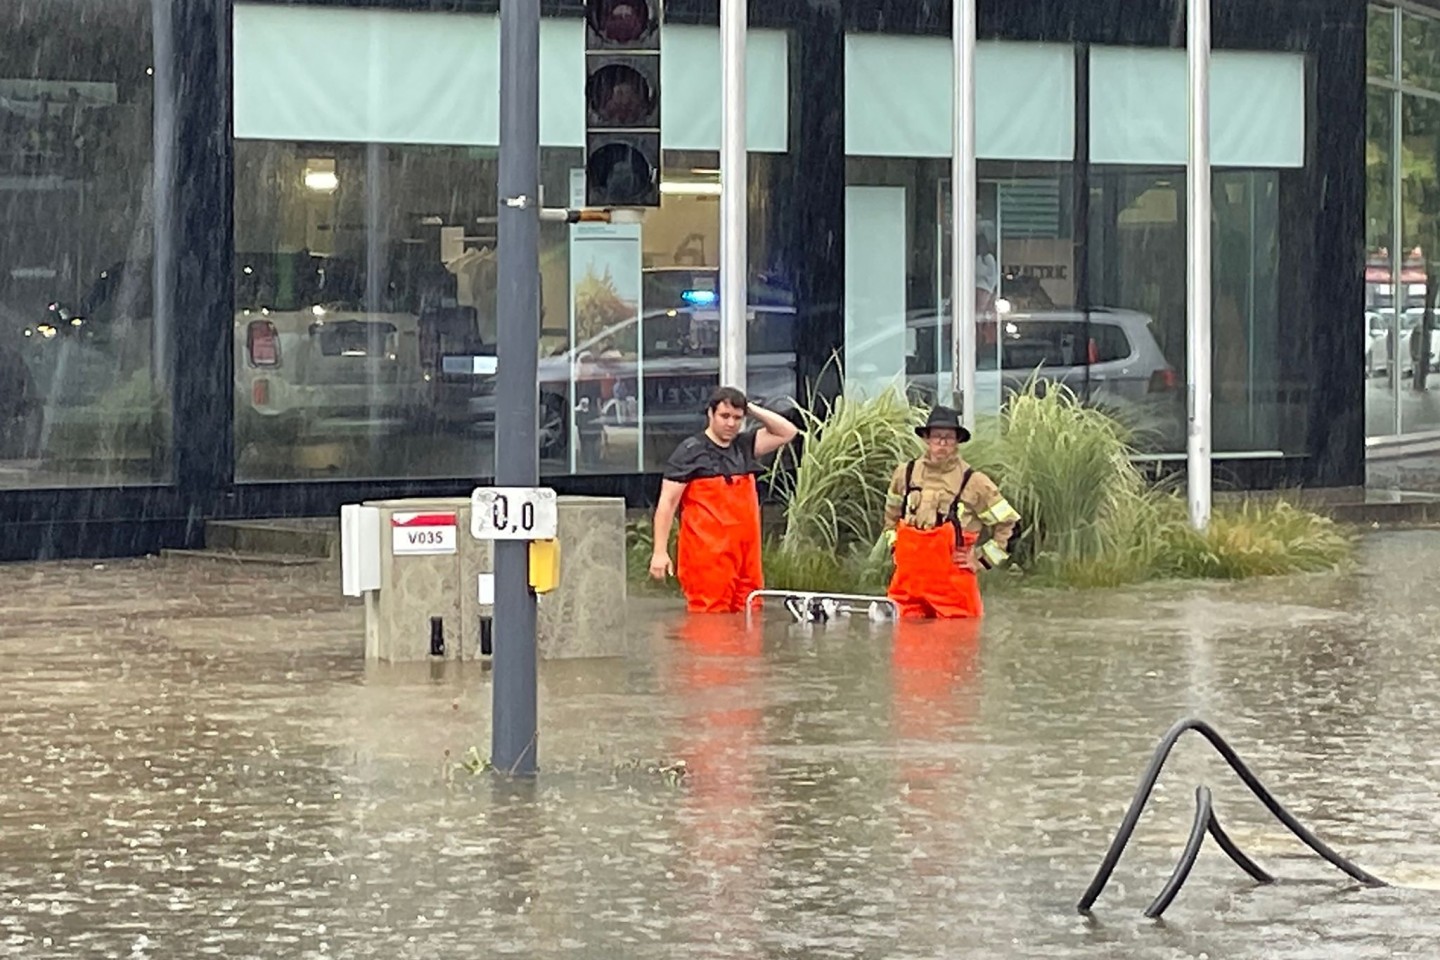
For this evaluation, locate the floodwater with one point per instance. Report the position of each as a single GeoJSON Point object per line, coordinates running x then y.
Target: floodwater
{"type": "Point", "coordinates": [197, 762]}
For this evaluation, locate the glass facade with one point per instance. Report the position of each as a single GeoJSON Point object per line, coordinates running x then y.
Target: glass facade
{"type": "Point", "coordinates": [84, 371]}
{"type": "Point", "coordinates": [365, 312]}
{"type": "Point", "coordinates": [1402, 217]}
{"type": "Point", "coordinates": [238, 281]}
{"type": "Point", "coordinates": [1117, 333]}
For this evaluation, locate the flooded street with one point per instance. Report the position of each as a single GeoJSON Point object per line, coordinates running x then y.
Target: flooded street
{"type": "Point", "coordinates": [198, 762]}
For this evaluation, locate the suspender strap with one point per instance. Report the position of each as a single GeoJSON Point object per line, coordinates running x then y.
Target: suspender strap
{"type": "Point", "coordinates": [954, 515]}
{"type": "Point", "coordinates": [955, 504]}
{"type": "Point", "coordinates": [909, 481]}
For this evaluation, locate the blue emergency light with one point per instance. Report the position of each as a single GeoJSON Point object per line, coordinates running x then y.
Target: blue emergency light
{"type": "Point", "coordinates": [699, 298]}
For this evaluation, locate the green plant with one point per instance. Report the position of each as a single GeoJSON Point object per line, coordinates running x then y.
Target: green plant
{"type": "Point", "coordinates": [639, 547]}
{"type": "Point", "coordinates": [1250, 539]}
{"type": "Point", "coordinates": [820, 570]}
{"type": "Point", "coordinates": [1067, 468]}
{"type": "Point", "coordinates": [834, 490]}
{"type": "Point", "coordinates": [1090, 519]}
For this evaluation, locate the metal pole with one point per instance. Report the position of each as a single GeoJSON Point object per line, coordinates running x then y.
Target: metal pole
{"type": "Point", "coordinates": [517, 456]}
{"type": "Point", "coordinates": [962, 210]}
{"type": "Point", "coordinates": [734, 178]}
{"type": "Point", "coordinates": [1397, 220]}
{"type": "Point", "coordinates": [1198, 268]}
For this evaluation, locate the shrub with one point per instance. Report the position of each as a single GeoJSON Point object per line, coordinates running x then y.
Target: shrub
{"type": "Point", "coordinates": [639, 547]}
{"type": "Point", "coordinates": [1066, 468]}
{"type": "Point", "coordinates": [834, 490]}
{"type": "Point", "coordinates": [857, 570]}
{"type": "Point", "coordinates": [1250, 539]}
{"type": "Point", "coordinates": [1089, 517]}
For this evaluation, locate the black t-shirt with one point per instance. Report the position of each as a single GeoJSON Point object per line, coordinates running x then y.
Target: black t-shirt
{"type": "Point", "coordinates": [699, 457]}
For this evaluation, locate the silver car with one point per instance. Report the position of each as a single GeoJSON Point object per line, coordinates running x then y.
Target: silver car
{"type": "Point", "coordinates": [1109, 357]}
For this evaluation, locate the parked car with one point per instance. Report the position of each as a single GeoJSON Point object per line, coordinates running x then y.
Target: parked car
{"type": "Point", "coordinates": [312, 362]}
{"type": "Point", "coordinates": [657, 370]}
{"type": "Point", "coordinates": [309, 361]}
{"type": "Point", "coordinates": [1108, 356]}
{"type": "Point", "coordinates": [1378, 337]}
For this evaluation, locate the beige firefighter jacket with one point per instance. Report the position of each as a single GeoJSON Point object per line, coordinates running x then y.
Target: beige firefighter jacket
{"type": "Point", "coordinates": [981, 507]}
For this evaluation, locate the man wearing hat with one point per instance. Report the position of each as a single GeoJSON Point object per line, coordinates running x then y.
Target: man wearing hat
{"type": "Point", "coordinates": [944, 521]}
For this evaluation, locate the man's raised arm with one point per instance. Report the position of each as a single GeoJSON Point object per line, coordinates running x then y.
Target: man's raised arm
{"type": "Point", "coordinates": [775, 430]}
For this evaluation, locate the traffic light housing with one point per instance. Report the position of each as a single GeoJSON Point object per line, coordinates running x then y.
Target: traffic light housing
{"type": "Point", "coordinates": [622, 103]}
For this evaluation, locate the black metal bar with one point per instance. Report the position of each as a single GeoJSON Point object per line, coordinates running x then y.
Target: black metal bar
{"type": "Point", "coordinates": [1257, 872]}
{"type": "Point", "coordinates": [1080, 195]}
{"type": "Point", "coordinates": [1147, 784]}
{"type": "Point", "coordinates": [1204, 816]}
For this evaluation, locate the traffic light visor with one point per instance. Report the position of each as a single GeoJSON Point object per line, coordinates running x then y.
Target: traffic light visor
{"type": "Point", "coordinates": [621, 22]}
{"type": "Point", "coordinates": [620, 95]}
{"type": "Point", "coordinates": [621, 174]}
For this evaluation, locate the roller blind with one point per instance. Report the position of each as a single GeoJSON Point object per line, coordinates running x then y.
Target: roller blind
{"type": "Point", "coordinates": [1138, 104]}
{"type": "Point", "coordinates": [387, 76]}
{"type": "Point", "coordinates": [898, 100]}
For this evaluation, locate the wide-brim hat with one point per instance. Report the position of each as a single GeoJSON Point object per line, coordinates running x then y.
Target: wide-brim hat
{"type": "Point", "coordinates": [944, 418]}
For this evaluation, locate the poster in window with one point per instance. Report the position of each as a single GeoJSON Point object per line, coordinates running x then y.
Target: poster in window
{"type": "Point", "coordinates": [605, 363]}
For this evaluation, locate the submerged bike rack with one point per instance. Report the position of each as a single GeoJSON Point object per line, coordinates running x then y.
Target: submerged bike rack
{"type": "Point", "coordinates": [812, 607]}
{"type": "Point", "coordinates": [1206, 822]}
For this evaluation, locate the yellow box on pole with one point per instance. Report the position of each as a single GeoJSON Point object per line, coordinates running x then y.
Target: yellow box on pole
{"type": "Point", "coordinates": [544, 565]}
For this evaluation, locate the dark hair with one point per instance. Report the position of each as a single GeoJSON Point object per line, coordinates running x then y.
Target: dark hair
{"type": "Point", "coordinates": [727, 395]}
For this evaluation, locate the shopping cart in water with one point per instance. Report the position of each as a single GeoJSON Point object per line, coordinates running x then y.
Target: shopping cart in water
{"type": "Point", "coordinates": [808, 606]}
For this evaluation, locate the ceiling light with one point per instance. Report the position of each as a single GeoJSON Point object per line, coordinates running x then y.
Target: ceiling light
{"type": "Point", "coordinates": [690, 188]}
{"type": "Point", "coordinates": [320, 176]}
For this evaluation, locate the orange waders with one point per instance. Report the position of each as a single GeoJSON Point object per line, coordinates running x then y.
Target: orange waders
{"type": "Point", "coordinates": [927, 583]}
{"type": "Point", "coordinates": [718, 560]}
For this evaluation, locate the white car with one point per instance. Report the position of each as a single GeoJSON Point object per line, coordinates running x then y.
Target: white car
{"type": "Point", "coordinates": [1107, 356]}
{"type": "Point", "coordinates": [309, 363]}
{"type": "Point", "coordinates": [1378, 351]}
{"type": "Point", "coordinates": [659, 369]}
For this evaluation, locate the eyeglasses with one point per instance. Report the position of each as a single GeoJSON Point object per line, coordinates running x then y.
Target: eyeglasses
{"type": "Point", "coordinates": [942, 441]}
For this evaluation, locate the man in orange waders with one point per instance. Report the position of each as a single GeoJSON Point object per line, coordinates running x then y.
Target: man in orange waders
{"type": "Point", "coordinates": [944, 521]}
{"type": "Point", "coordinates": [710, 479]}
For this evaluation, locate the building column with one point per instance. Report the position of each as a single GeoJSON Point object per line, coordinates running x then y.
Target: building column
{"type": "Point", "coordinates": [194, 242]}
{"type": "Point", "coordinates": [813, 207]}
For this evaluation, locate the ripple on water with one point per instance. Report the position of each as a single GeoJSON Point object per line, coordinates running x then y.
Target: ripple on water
{"type": "Point", "coordinates": [197, 755]}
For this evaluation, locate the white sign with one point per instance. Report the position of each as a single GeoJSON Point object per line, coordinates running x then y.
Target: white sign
{"type": "Point", "coordinates": [423, 534]}
{"type": "Point", "coordinates": [513, 513]}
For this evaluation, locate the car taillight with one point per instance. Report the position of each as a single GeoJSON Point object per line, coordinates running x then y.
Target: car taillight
{"type": "Point", "coordinates": [263, 344]}
{"type": "Point", "coordinates": [1164, 381]}
{"type": "Point", "coordinates": [260, 393]}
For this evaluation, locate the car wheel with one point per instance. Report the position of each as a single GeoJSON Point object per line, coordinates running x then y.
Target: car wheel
{"type": "Point", "coordinates": [554, 433]}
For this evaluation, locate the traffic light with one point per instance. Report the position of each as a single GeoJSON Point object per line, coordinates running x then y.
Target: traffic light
{"type": "Point", "coordinates": [622, 103]}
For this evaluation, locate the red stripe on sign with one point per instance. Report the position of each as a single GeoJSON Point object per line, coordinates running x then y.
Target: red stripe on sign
{"type": "Point", "coordinates": [426, 520]}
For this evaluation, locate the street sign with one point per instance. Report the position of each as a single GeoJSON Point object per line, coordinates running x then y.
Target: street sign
{"type": "Point", "coordinates": [513, 513]}
{"type": "Point", "coordinates": [423, 534]}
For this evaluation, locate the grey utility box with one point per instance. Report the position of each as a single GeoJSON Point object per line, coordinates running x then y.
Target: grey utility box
{"type": "Point", "coordinates": [428, 587]}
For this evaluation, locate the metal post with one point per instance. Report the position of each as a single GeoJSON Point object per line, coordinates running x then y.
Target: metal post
{"type": "Point", "coordinates": [517, 455]}
{"type": "Point", "coordinates": [734, 180]}
{"type": "Point", "coordinates": [962, 209]}
{"type": "Point", "coordinates": [1398, 287]}
{"type": "Point", "coordinates": [1198, 268]}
